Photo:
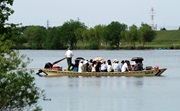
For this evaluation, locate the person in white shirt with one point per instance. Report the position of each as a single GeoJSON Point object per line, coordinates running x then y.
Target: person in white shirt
{"type": "Point", "coordinates": [93, 65]}
{"type": "Point", "coordinates": [69, 54]}
{"type": "Point", "coordinates": [125, 67]}
{"type": "Point", "coordinates": [109, 67]}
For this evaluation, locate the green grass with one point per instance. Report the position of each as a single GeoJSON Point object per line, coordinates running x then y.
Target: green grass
{"type": "Point", "coordinates": [166, 39]}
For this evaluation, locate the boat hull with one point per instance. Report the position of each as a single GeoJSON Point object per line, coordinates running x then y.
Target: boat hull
{"type": "Point", "coordinates": [53, 73]}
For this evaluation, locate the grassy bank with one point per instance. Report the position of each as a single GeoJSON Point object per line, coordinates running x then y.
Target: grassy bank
{"type": "Point", "coordinates": [169, 39]}
{"type": "Point", "coordinates": [165, 39]}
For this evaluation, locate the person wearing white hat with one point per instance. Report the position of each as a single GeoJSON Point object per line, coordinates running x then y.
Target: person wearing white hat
{"type": "Point", "coordinates": [116, 66]}
{"type": "Point", "coordinates": [103, 66]}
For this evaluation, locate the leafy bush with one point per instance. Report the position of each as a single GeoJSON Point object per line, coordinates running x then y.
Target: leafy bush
{"type": "Point", "coordinates": [17, 88]}
{"type": "Point", "coordinates": [18, 92]}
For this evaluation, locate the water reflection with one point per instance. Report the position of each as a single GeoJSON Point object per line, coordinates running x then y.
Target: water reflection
{"type": "Point", "coordinates": [107, 93]}
{"type": "Point", "coordinates": [104, 82]}
{"type": "Point", "coordinates": [103, 93]}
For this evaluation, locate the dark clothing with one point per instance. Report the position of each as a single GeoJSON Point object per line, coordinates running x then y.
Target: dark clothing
{"type": "Point", "coordinates": [138, 67]}
{"type": "Point", "coordinates": [98, 67]}
{"type": "Point", "coordinates": [85, 67]}
{"type": "Point", "coordinates": [69, 61]}
{"type": "Point", "coordinates": [104, 70]}
{"type": "Point", "coordinates": [48, 65]}
{"type": "Point", "coordinates": [75, 66]}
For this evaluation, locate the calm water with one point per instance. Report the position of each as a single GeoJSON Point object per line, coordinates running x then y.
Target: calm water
{"type": "Point", "coordinates": [111, 93]}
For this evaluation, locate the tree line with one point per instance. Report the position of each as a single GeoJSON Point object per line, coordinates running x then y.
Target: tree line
{"type": "Point", "coordinates": [78, 36]}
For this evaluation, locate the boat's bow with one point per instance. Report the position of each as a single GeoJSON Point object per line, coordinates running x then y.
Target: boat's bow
{"type": "Point", "coordinates": [160, 71]}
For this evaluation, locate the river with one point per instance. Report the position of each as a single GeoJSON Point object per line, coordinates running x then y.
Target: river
{"type": "Point", "coordinates": [110, 93]}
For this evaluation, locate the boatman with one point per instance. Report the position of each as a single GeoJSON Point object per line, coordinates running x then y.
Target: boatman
{"type": "Point", "coordinates": [69, 55]}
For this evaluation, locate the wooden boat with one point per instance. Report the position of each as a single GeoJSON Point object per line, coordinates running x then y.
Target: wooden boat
{"type": "Point", "coordinates": [58, 71]}
{"type": "Point", "coordinates": [52, 73]}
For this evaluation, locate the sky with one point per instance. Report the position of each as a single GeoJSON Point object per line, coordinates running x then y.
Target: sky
{"type": "Point", "coordinates": [96, 12]}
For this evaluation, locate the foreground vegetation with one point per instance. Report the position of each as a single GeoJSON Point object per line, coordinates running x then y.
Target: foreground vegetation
{"type": "Point", "coordinates": [18, 91]}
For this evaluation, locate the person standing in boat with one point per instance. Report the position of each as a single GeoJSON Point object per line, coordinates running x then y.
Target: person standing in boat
{"type": "Point", "coordinates": [69, 54]}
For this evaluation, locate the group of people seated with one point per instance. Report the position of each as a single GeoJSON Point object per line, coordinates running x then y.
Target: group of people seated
{"type": "Point", "coordinates": [106, 66]}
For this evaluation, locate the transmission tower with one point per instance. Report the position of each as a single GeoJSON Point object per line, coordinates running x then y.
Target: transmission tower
{"type": "Point", "coordinates": [47, 24]}
{"type": "Point", "coordinates": [152, 19]}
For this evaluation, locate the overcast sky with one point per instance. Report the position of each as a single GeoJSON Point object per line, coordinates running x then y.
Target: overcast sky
{"type": "Point", "coordinates": [95, 12]}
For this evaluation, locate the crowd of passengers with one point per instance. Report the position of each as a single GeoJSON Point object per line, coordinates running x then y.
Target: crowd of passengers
{"type": "Point", "coordinates": [106, 66]}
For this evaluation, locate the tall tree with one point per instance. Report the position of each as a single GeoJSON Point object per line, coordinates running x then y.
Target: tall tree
{"type": "Point", "coordinates": [146, 34]}
{"type": "Point", "coordinates": [18, 91]}
{"type": "Point", "coordinates": [132, 35]}
{"type": "Point", "coordinates": [81, 34]}
{"type": "Point", "coordinates": [115, 33]}
{"type": "Point", "coordinates": [35, 36]}
{"type": "Point", "coordinates": [99, 32]}
{"type": "Point", "coordinates": [93, 39]}
{"type": "Point", "coordinates": [68, 30]}
{"type": "Point", "coordinates": [54, 39]}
